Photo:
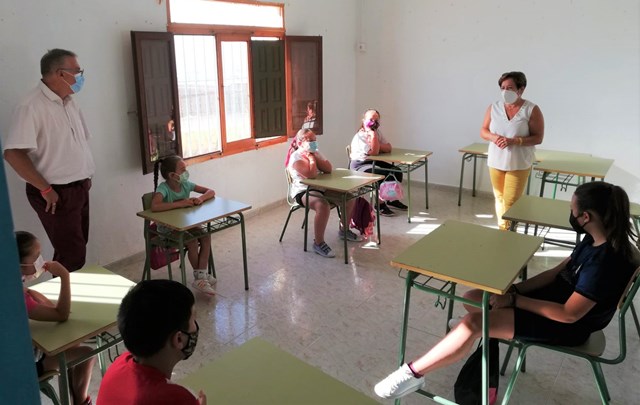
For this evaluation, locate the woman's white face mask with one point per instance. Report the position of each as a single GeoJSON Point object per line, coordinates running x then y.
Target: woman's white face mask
{"type": "Point", "coordinates": [509, 96]}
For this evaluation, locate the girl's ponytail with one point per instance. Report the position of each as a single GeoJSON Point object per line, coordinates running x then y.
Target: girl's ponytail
{"type": "Point", "coordinates": [156, 167]}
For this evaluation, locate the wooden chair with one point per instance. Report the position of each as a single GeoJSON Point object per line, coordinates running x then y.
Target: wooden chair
{"type": "Point", "coordinates": [592, 350]}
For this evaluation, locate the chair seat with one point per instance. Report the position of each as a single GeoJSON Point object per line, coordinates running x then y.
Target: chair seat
{"type": "Point", "coordinates": [47, 375]}
{"type": "Point", "coordinates": [594, 346]}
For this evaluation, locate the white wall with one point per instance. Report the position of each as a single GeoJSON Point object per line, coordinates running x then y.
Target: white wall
{"type": "Point", "coordinates": [431, 67]}
{"type": "Point", "coordinates": [99, 32]}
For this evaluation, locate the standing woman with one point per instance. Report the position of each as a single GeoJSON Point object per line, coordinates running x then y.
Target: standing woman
{"type": "Point", "coordinates": [514, 126]}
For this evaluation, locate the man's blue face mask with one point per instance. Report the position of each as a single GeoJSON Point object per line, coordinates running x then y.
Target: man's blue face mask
{"type": "Point", "coordinates": [77, 86]}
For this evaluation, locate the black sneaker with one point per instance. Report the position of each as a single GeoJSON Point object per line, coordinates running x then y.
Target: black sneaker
{"type": "Point", "coordinates": [397, 204]}
{"type": "Point", "coordinates": [385, 211]}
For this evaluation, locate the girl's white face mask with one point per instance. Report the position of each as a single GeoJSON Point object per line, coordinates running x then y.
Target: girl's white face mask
{"type": "Point", "coordinates": [38, 265]}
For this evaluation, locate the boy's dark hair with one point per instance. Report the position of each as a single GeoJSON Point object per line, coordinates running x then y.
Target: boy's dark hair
{"type": "Point", "coordinates": [611, 203]}
{"type": "Point", "coordinates": [53, 60]}
{"type": "Point", "coordinates": [519, 79]}
{"type": "Point", "coordinates": [24, 241]}
{"type": "Point", "coordinates": [150, 312]}
{"type": "Point", "coordinates": [165, 165]}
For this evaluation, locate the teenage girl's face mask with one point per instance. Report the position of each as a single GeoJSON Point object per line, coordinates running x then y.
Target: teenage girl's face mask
{"type": "Point", "coordinates": [38, 265]}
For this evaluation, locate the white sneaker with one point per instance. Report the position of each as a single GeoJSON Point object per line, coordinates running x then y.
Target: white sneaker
{"type": "Point", "coordinates": [398, 384]}
{"type": "Point", "coordinates": [205, 275]}
{"type": "Point", "coordinates": [203, 286]}
{"type": "Point", "coordinates": [453, 322]}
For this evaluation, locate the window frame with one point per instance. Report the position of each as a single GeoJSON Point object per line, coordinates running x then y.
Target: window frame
{"type": "Point", "coordinates": [221, 34]}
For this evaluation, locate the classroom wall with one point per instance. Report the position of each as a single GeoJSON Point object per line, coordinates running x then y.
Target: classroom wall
{"type": "Point", "coordinates": [99, 32]}
{"type": "Point", "coordinates": [431, 67]}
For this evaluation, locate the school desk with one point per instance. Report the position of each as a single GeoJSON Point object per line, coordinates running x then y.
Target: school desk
{"type": "Point", "coordinates": [258, 372]}
{"type": "Point", "coordinates": [96, 294]}
{"type": "Point", "coordinates": [406, 161]}
{"type": "Point", "coordinates": [212, 216]}
{"type": "Point", "coordinates": [467, 254]}
{"type": "Point", "coordinates": [342, 185]}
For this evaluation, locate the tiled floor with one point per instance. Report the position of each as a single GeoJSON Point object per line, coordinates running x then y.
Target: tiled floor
{"type": "Point", "coordinates": [345, 319]}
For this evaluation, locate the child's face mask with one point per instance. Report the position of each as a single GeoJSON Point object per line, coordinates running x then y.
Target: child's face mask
{"type": "Point", "coordinates": [38, 265]}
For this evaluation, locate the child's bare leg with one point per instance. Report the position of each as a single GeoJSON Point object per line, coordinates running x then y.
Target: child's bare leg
{"type": "Point", "coordinates": [80, 375]}
{"type": "Point", "coordinates": [205, 251]}
{"type": "Point", "coordinates": [192, 253]}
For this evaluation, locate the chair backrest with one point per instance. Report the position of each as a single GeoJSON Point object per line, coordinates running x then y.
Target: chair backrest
{"type": "Point", "coordinates": [146, 200]}
{"type": "Point", "coordinates": [290, 200]}
{"type": "Point", "coordinates": [348, 150]}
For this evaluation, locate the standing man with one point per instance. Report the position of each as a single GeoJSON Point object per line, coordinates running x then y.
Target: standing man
{"type": "Point", "coordinates": [48, 147]}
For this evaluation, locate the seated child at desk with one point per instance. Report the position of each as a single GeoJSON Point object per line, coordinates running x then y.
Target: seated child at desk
{"type": "Point", "coordinates": [40, 308]}
{"type": "Point", "coordinates": [174, 193]}
{"type": "Point", "coordinates": [157, 321]}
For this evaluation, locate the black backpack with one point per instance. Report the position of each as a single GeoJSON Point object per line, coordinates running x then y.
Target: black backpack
{"type": "Point", "coordinates": [467, 389]}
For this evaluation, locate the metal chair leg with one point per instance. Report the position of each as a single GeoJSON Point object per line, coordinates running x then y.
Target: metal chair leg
{"type": "Point", "coordinates": [284, 228]}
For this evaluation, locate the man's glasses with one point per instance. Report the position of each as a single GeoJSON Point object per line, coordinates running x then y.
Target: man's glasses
{"type": "Point", "coordinates": [75, 71]}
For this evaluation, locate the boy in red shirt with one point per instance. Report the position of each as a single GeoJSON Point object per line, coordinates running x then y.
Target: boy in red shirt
{"type": "Point", "coordinates": [158, 325]}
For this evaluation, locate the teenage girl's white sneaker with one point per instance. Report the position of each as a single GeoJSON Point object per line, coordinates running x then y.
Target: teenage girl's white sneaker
{"type": "Point", "coordinates": [398, 384]}
{"type": "Point", "coordinates": [203, 286]}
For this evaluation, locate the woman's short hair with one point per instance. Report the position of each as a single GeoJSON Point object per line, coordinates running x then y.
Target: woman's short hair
{"type": "Point", "coordinates": [151, 312]}
{"type": "Point", "coordinates": [518, 78]}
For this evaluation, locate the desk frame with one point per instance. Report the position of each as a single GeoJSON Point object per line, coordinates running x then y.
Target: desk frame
{"type": "Point", "coordinates": [474, 151]}
{"type": "Point", "coordinates": [406, 161]}
{"type": "Point", "coordinates": [370, 186]}
{"type": "Point", "coordinates": [101, 345]}
{"type": "Point", "coordinates": [407, 261]}
{"type": "Point", "coordinates": [213, 225]}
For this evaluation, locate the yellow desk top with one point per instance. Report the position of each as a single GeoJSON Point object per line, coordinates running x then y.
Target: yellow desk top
{"type": "Point", "coordinates": [342, 180]}
{"type": "Point", "coordinates": [540, 211]}
{"type": "Point", "coordinates": [96, 294]}
{"type": "Point", "coordinates": [588, 166]}
{"type": "Point", "coordinates": [406, 156]}
{"type": "Point", "coordinates": [470, 254]}
{"type": "Point", "coordinates": [259, 373]}
{"type": "Point", "coordinates": [183, 219]}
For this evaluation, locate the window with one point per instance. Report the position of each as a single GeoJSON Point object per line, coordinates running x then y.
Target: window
{"type": "Point", "coordinates": [207, 90]}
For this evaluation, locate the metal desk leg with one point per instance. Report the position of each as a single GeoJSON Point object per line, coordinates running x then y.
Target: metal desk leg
{"type": "Point", "coordinates": [475, 168]}
{"type": "Point", "coordinates": [182, 264]}
{"type": "Point", "coordinates": [63, 380]}
{"type": "Point", "coordinates": [146, 272]}
{"type": "Point", "coordinates": [426, 181]}
{"type": "Point", "coordinates": [409, 195]}
{"type": "Point", "coordinates": [450, 309]}
{"type": "Point", "coordinates": [462, 162]}
{"type": "Point", "coordinates": [244, 251]}
{"type": "Point", "coordinates": [376, 186]}
{"type": "Point", "coordinates": [345, 226]}
{"type": "Point", "coordinates": [306, 217]}
{"type": "Point", "coordinates": [485, 348]}
{"type": "Point", "coordinates": [542, 181]}
{"type": "Point", "coordinates": [102, 361]}
{"type": "Point", "coordinates": [405, 319]}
